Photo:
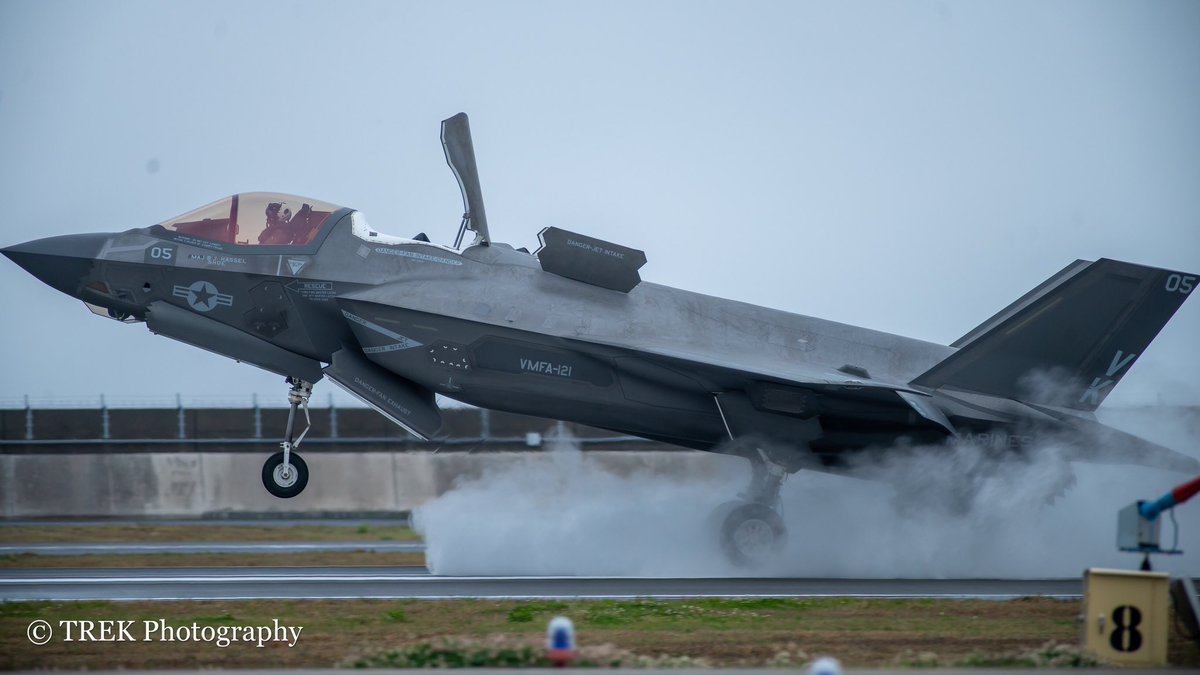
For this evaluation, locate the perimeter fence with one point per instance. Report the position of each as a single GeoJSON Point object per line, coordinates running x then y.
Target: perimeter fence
{"type": "Point", "coordinates": [242, 424]}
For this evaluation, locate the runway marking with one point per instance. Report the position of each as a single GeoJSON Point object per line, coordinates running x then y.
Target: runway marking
{"type": "Point", "coordinates": [583, 597]}
{"type": "Point", "coordinates": [422, 578]}
{"type": "Point", "coordinates": [212, 547]}
{"type": "Point", "coordinates": [282, 583]}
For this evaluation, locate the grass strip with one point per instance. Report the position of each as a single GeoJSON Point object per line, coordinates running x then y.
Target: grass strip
{"type": "Point", "coordinates": [648, 633]}
{"type": "Point", "coordinates": [314, 559]}
{"type": "Point", "coordinates": [165, 534]}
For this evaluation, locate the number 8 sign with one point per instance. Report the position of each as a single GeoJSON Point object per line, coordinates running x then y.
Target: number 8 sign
{"type": "Point", "coordinates": [1125, 616]}
{"type": "Point", "coordinates": [1125, 636]}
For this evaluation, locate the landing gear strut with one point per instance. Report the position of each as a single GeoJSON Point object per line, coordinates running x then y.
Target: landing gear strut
{"type": "Point", "coordinates": [285, 474]}
{"type": "Point", "coordinates": [751, 528]}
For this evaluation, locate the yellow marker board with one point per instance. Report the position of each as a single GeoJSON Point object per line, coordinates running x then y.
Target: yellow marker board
{"type": "Point", "coordinates": [1125, 616]}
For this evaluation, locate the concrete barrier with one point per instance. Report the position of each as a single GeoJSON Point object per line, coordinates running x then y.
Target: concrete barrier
{"type": "Point", "coordinates": [209, 484]}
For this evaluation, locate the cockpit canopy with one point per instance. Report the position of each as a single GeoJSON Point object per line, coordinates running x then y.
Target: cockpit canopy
{"type": "Point", "coordinates": [256, 219]}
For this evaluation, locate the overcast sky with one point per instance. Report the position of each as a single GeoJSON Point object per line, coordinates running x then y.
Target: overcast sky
{"type": "Point", "coordinates": [911, 167]}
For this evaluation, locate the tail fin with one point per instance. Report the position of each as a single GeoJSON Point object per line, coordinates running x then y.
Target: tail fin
{"type": "Point", "coordinates": [1068, 341]}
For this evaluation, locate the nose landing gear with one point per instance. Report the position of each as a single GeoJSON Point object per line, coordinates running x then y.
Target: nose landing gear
{"type": "Point", "coordinates": [285, 474]}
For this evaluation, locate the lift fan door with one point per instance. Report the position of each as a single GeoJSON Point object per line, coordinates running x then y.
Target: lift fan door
{"type": "Point", "coordinates": [403, 402]}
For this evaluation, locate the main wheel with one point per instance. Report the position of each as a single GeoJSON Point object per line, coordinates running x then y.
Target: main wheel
{"type": "Point", "coordinates": [752, 534]}
{"type": "Point", "coordinates": [285, 482]}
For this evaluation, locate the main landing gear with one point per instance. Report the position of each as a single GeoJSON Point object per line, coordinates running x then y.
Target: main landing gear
{"type": "Point", "coordinates": [751, 529]}
{"type": "Point", "coordinates": [285, 474]}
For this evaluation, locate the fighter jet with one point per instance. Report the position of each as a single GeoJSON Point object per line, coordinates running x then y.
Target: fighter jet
{"type": "Point", "coordinates": [308, 289]}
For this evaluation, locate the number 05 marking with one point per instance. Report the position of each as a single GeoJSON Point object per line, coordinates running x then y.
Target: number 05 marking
{"type": "Point", "coordinates": [1178, 283]}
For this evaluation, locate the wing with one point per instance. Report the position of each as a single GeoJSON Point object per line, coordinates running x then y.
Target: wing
{"type": "Point", "coordinates": [753, 390]}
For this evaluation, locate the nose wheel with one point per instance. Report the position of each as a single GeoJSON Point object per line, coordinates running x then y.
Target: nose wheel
{"type": "Point", "coordinates": [285, 474]}
{"type": "Point", "coordinates": [285, 480]}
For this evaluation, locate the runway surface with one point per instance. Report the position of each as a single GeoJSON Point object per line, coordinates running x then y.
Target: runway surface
{"type": "Point", "coordinates": [696, 671]}
{"type": "Point", "coordinates": [347, 521]}
{"type": "Point", "coordinates": [414, 582]}
{"type": "Point", "coordinates": [214, 547]}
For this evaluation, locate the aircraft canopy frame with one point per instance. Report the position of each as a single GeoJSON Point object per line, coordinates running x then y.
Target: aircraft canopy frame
{"type": "Point", "coordinates": [255, 219]}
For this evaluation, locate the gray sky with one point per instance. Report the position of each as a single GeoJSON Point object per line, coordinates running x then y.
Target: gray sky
{"type": "Point", "coordinates": [911, 167]}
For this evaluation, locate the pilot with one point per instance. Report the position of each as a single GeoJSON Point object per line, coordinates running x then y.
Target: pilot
{"type": "Point", "coordinates": [278, 231]}
{"type": "Point", "coordinates": [278, 214]}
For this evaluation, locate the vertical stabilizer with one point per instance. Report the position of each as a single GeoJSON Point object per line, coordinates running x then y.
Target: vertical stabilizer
{"type": "Point", "coordinates": [1070, 340]}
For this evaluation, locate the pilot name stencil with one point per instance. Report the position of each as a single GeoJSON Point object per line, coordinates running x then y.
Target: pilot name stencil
{"type": "Point", "coordinates": [215, 260]}
{"type": "Point", "coordinates": [203, 296]}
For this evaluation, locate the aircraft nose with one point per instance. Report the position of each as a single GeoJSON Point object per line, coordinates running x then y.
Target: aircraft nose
{"type": "Point", "coordinates": [59, 262]}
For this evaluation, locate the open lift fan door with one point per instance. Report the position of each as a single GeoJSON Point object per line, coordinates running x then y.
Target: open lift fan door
{"type": "Point", "coordinates": [590, 260]}
{"type": "Point", "coordinates": [405, 403]}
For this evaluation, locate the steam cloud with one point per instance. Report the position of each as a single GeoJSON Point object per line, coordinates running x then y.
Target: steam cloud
{"type": "Point", "coordinates": [938, 513]}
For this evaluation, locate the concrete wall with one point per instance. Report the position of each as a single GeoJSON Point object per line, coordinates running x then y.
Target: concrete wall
{"type": "Point", "coordinates": [210, 484]}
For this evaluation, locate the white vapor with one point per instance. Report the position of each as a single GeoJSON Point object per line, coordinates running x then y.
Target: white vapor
{"type": "Point", "coordinates": [568, 512]}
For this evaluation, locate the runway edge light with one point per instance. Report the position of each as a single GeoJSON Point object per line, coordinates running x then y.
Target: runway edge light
{"type": "Point", "coordinates": [560, 641]}
{"type": "Point", "coordinates": [826, 665]}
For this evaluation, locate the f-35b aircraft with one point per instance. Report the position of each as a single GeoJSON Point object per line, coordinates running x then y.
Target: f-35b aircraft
{"type": "Point", "coordinates": [307, 289]}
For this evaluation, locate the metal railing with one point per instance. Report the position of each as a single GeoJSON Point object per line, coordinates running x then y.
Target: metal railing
{"type": "Point", "coordinates": [191, 401]}
{"type": "Point", "coordinates": [91, 427]}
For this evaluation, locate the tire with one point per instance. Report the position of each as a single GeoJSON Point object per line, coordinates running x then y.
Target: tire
{"type": "Point", "coordinates": [752, 534]}
{"type": "Point", "coordinates": [282, 486]}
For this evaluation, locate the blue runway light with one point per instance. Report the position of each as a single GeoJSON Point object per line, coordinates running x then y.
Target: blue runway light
{"type": "Point", "coordinates": [826, 665]}
{"type": "Point", "coordinates": [560, 641]}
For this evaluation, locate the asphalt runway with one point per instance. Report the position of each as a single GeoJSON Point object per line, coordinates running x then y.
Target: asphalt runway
{"type": "Point", "coordinates": [694, 671]}
{"type": "Point", "coordinates": [348, 521]}
{"type": "Point", "coordinates": [214, 547]}
{"type": "Point", "coordinates": [415, 582]}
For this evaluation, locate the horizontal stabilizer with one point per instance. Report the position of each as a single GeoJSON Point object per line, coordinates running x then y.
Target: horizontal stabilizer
{"type": "Point", "coordinates": [1069, 341]}
{"type": "Point", "coordinates": [1107, 445]}
{"type": "Point", "coordinates": [405, 403]}
{"type": "Point", "coordinates": [590, 260]}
